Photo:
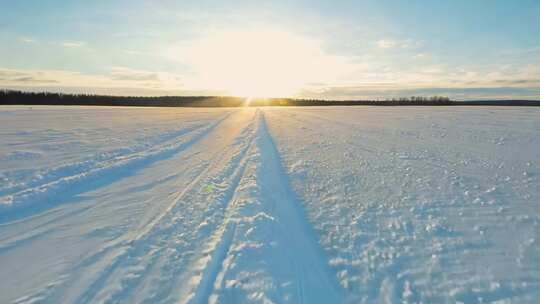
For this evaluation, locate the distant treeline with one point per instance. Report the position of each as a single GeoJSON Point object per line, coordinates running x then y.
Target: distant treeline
{"type": "Point", "coordinates": [10, 97]}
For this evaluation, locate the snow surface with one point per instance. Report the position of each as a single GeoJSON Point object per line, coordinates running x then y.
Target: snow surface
{"type": "Point", "coordinates": [269, 205]}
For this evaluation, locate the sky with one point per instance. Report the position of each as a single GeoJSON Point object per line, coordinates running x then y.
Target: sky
{"type": "Point", "coordinates": [363, 49]}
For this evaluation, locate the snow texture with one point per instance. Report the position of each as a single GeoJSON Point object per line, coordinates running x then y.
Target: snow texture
{"type": "Point", "coordinates": [269, 205]}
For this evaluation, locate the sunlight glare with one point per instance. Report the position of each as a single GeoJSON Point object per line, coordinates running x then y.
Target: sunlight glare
{"type": "Point", "coordinates": [262, 63]}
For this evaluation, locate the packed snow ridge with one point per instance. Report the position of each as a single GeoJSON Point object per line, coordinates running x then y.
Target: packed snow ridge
{"type": "Point", "coordinates": [269, 205]}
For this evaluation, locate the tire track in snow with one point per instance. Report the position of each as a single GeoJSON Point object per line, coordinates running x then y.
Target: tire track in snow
{"type": "Point", "coordinates": [267, 236]}
{"type": "Point", "coordinates": [91, 162]}
{"type": "Point", "coordinates": [42, 229]}
{"type": "Point", "coordinates": [115, 254]}
{"type": "Point", "coordinates": [213, 267]}
{"type": "Point", "coordinates": [66, 187]}
{"type": "Point", "coordinates": [234, 172]}
{"type": "Point", "coordinates": [217, 249]}
{"type": "Point", "coordinates": [316, 280]}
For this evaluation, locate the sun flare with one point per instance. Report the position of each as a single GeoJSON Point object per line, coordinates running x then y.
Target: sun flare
{"type": "Point", "coordinates": [258, 63]}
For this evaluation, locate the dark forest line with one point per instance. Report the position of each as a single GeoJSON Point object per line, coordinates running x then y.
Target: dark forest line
{"type": "Point", "coordinates": [10, 97]}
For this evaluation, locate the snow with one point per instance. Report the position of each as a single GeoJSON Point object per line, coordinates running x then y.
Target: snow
{"type": "Point", "coordinates": [269, 205]}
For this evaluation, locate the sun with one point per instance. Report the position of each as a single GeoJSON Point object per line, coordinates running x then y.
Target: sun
{"type": "Point", "coordinates": [257, 63]}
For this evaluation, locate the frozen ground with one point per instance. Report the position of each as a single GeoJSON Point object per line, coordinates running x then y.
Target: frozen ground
{"type": "Point", "coordinates": [270, 205]}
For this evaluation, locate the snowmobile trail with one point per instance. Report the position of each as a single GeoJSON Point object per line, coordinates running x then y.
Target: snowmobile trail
{"type": "Point", "coordinates": [222, 226]}
{"type": "Point", "coordinates": [265, 249]}
{"type": "Point", "coordinates": [165, 218]}
{"type": "Point", "coordinates": [106, 172]}
{"type": "Point", "coordinates": [87, 176]}
{"type": "Point", "coordinates": [152, 249]}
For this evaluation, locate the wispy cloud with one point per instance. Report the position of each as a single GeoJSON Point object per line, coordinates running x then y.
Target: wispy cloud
{"type": "Point", "coordinates": [385, 44]}
{"type": "Point", "coordinates": [421, 56]}
{"type": "Point", "coordinates": [121, 73]}
{"type": "Point", "coordinates": [459, 93]}
{"type": "Point", "coordinates": [522, 52]}
{"type": "Point", "coordinates": [65, 44]}
{"type": "Point", "coordinates": [24, 77]}
{"type": "Point", "coordinates": [135, 53]}
{"type": "Point", "coordinates": [73, 44]}
{"type": "Point", "coordinates": [27, 40]}
{"type": "Point", "coordinates": [457, 83]}
{"type": "Point", "coordinates": [393, 44]}
{"type": "Point", "coordinates": [117, 77]}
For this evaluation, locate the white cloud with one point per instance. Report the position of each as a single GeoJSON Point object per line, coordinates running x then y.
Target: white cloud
{"type": "Point", "coordinates": [27, 40]}
{"type": "Point", "coordinates": [73, 44]}
{"type": "Point", "coordinates": [122, 73]}
{"type": "Point", "coordinates": [386, 44]}
{"type": "Point", "coordinates": [421, 56]}
{"type": "Point", "coordinates": [395, 44]}
{"type": "Point", "coordinates": [117, 77]}
{"type": "Point", "coordinates": [135, 53]}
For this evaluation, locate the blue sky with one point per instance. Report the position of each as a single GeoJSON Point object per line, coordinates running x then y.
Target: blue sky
{"type": "Point", "coordinates": [319, 49]}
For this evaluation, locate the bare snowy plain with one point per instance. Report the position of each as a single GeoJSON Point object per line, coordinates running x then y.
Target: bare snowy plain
{"type": "Point", "coordinates": [269, 205]}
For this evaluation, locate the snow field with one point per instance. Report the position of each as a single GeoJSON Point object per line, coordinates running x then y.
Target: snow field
{"type": "Point", "coordinates": [269, 205]}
